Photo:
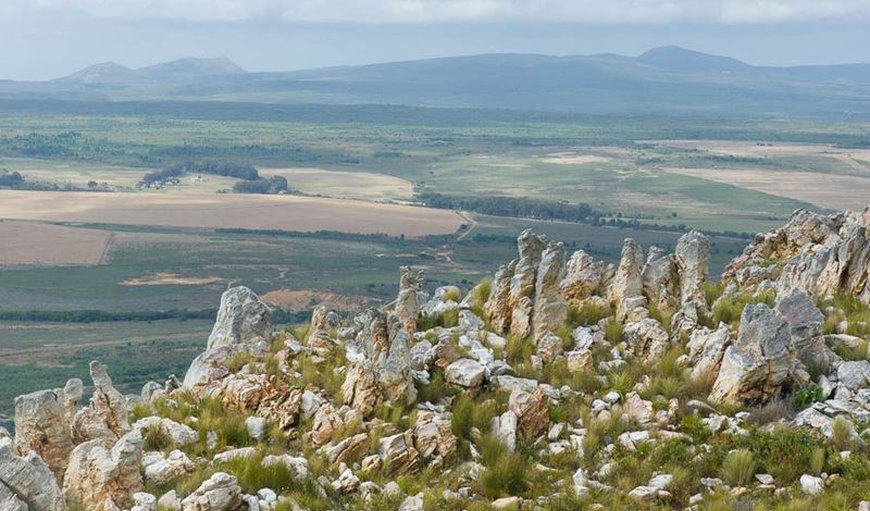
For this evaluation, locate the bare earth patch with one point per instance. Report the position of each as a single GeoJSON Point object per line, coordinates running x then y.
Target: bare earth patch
{"type": "Point", "coordinates": [571, 158]}
{"type": "Point", "coordinates": [823, 190]}
{"type": "Point", "coordinates": [38, 244]}
{"type": "Point", "coordinates": [170, 279]}
{"type": "Point", "coordinates": [345, 185]}
{"type": "Point", "coordinates": [212, 211]}
{"type": "Point", "coordinates": [304, 299]}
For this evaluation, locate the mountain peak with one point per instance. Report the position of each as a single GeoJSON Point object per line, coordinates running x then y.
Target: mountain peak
{"type": "Point", "coordinates": [681, 60]}
{"type": "Point", "coordinates": [192, 66]}
{"type": "Point", "coordinates": [105, 72]}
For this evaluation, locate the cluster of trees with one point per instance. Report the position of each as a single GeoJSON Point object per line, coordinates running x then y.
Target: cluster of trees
{"type": "Point", "coordinates": [519, 207]}
{"type": "Point", "coordinates": [270, 186]}
{"type": "Point", "coordinates": [217, 168]}
{"type": "Point", "coordinates": [10, 179]}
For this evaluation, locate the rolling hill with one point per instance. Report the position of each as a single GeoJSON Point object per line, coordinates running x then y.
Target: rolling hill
{"type": "Point", "coordinates": [666, 80]}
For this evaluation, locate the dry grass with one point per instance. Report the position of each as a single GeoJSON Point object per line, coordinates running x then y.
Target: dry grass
{"type": "Point", "coordinates": [290, 213]}
{"type": "Point", "coordinates": [345, 185]}
{"type": "Point", "coordinates": [823, 190]}
{"type": "Point", "coordinates": [30, 243]}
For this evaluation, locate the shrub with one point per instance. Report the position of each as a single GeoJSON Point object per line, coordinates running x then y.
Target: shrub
{"type": "Point", "coordinates": [712, 290]}
{"type": "Point", "coordinates": [238, 361]}
{"type": "Point", "coordinates": [783, 452]}
{"type": "Point", "coordinates": [738, 467]}
{"type": "Point", "coordinates": [621, 381]}
{"type": "Point", "coordinates": [613, 332]}
{"type": "Point", "coordinates": [806, 396]}
{"type": "Point", "coordinates": [817, 460]}
{"type": "Point", "coordinates": [479, 296]}
{"type": "Point", "coordinates": [506, 472]}
{"type": "Point", "coordinates": [841, 433]}
{"type": "Point", "coordinates": [589, 314]}
{"type": "Point", "coordinates": [156, 439]}
{"type": "Point", "coordinates": [773, 411]}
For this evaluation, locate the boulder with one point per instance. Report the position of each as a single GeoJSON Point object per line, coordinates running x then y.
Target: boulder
{"type": "Point", "coordinates": [504, 427]}
{"type": "Point", "coordinates": [692, 260]}
{"type": "Point", "coordinates": [104, 475]}
{"type": "Point", "coordinates": [854, 375]}
{"type": "Point", "coordinates": [812, 485]}
{"type": "Point", "coordinates": [398, 454]}
{"type": "Point", "coordinates": [433, 437]}
{"type": "Point", "coordinates": [221, 492]}
{"type": "Point", "coordinates": [522, 289]}
{"type": "Point", "coordinates": [465, 373]}
{"type": "Point", "coordinates": [706, 349]}
{"type": "Point", "coordinates": [9, 502]}
{"type": "Point", "coordinates": [756, 366]}
{"type": "Point", "coordinates": [532, 411]}
{"type": "Point", "coordinates": [43, 426]}
{"type": "Point", "coordinates": [647, 339]}
{"type": "Point", "coordinates": [29, 480]}
{"type": "Point", "coordinates": [161, 470]}
{"type": "Point", "coordinates": [498, 305]}
{"type": "Point", "coordinates": [660, 279]}
{"type": "Point", "coordinates": [549, 347]}
{"type": "Point", "coordinates": [805, 325]}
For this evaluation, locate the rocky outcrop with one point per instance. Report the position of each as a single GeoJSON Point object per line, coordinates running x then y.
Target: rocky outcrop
{"type": "Point", "coordinates": [805, 326]}
{"type": "Point", "coordinates": [161, 470]}
{"type": "Point", "coordinates": [407, 308]}
{"type": "Point", "coordinates": [585, 277]}
{"type": "Point", "coordinates": [104, 476]}
{"type": "Point", "coordinates": [626, 290]}
{"type": "Point", "coordinates": [706, 349]}
{"type": "Point", "coordinates": [531, 247]}
{"type": "Point", "coordinates": [319, 338]}
{"type": "Point", "coordinates": [398, 454]}
{"type": "Point", "coordinates": [551, 309]}
{"type": "Point", "coordinates": [434, 438]}
{"type": "Point", "coordinates": [42, 425]}
{"type": "Point", "coordinates": [498, 305]}
{"type": "Point", "coordinates": [820, 255]}
{"type": "Point", "coordinates": [383, 372]}
{"type": "Point", "coordinates": [647, 339]}
{"type": "Point", "coordinates": [106, 418]}
{"type": "Point", "coordinates": [28, 480]}
{"type": "Point", "coordinates": [756, 366]}
{"type": "Point", "coordinates": [244, 323]}
{"type": "Point", "coordinates": [692, 261]}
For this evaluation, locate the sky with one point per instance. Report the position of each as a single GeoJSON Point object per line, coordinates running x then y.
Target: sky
{"type": "Point", "coordinates": [43, 39]}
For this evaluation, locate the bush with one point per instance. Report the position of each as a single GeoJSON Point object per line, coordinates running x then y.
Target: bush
{"type": "Point", "coordinates": [841, 433]}
{"type": "Point", "coordinates": [506, 472]}
{"type": "Point", "coordinates": [589, 314]}
{"type": "Point", "coordinates": [613, 332]}
{"type": "Point", "coordinates": [738, 467]}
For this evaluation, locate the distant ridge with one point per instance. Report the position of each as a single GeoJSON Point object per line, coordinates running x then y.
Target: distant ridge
{"type": "Point", "coordinates": [662, 81]}
{"type": "Point", "coordinates": [181, 69]}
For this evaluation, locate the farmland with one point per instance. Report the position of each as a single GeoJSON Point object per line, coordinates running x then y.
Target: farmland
{"type": "Point", "coordinates": [356, 215]}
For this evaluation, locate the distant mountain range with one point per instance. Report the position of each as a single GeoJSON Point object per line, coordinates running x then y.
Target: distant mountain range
{"type": "Point", "coordinates": [666, 80]}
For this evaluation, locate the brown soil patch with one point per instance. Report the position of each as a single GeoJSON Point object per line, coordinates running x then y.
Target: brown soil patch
{"type": "Point", "coordinates": [228, 211]}
{"type": "Point", "coordinates": [170, 279]}
{"type": "Point", "coordinates": [823, 190]}
{"type": "Point", "coordinates": [304, 299]}
{"type": "Point", "coordinates": [571, 158]}
{"type": "Point", "coordinates": [38, 244]}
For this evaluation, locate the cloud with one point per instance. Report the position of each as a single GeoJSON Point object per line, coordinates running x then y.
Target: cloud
{"type": "Point", "coordinates": [414, 11]}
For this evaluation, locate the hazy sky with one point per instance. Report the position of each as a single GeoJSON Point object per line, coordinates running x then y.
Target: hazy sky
{"type": "Point", "coordinates": [42, 39]}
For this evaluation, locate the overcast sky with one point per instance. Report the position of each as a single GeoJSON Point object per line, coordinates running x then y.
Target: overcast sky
{"type": "Point", "coordinates": [42, 39]}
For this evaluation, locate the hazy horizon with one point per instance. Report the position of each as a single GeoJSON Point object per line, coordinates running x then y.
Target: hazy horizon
{"type": "Point", "coordinates": [54, 39]}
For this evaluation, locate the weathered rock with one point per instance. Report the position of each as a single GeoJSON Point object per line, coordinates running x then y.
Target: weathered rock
{"type": "Point", "coordinates": [755, 367]}
{"type": "Point", "coordinates": [281, 406]}
{"type": "Point", "coordinates": [181, 435]}
{"type": "Point", "coordinates": [105, 476]}
{"type": "Point", "coordinates": [29, 480]}
{"type": "Point", "coordinates": [466, 373]}
{"type": "Point", "coordinates": [498, 306]}
{"type": "Point", "coordinates": [854, 375]}
{"type": "Point", "coordinates": [585, 277]}
{"type": "Point", "coordinates": [820, 255]}
{"type": "Point", "coordinates": [326, 421]}
{"type": "Point", "coordinates": [812, 485]}
{"type": "Point", "coordinates": [805, 325]}
{"type": "Point", "coordinates": [433, 437]}
{"type": "Point", "coordinates": [549, 347]}
{"type": "Point", "coordinates": [626, 289]}
{"type": "Point", "coordinates": [660, 279]}
{"type": "Point", "coordinates": [9, 502]}
{"type": "Point", "coordinates": [106, 417]}
{"type": "Point", "coordinates": [706, 349]}
{"type": "Point", "coordinates": [346, 482]}
{"type": "Point", "coordinates": [504, 427]}
{"type": "Point", "coordinates": [522, 290]}
{"type": "Point", "coordinates": [398, 453]}
{"type": "Point", "coordinates": [162, 470]}
{"type": "Point", "coordinates": [221, 492]}
{"type": "Point", "coordinates": [243, 320]}
{"type": "Point", "coordinates": [637, 409]}
{"type": "Point", "coordinates": [297, 465]}
{"type": "Point", "coordinates": [408, 302]}
{"type": "Point", "coordinates": [42, 425]}
{"type": "Point", "coordinates": [579, 360]}
{"type": "Point", "coordinates": [532, 411]}
{"type": "Point", "coordinates": [347, 449]}
{"type": "Point", "coordinates": [384, 371]}
{"type": "Point", "coordinates": [551, 309]}
{"type": "Point", "coordinates": [647, 339]}
{"type": "Point", "coordinates": [692, 259]}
